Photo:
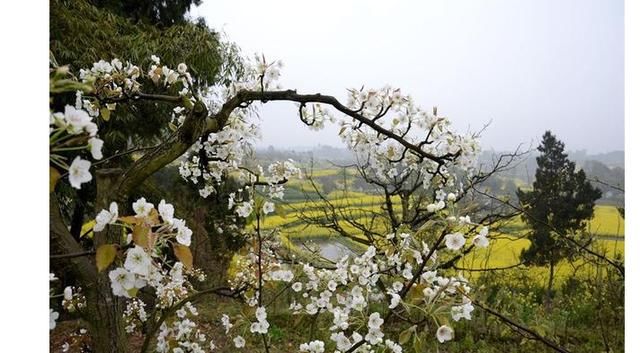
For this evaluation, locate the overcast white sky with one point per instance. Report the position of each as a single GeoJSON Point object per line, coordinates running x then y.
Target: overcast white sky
{"type": "Point", "coordinates": [526, 66]}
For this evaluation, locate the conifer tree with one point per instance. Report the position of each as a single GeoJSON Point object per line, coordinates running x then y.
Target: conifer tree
{"type": "Point", "coordinates": [557, 207]}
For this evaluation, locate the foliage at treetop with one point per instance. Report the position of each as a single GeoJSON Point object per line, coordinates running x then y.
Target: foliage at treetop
{"type": "Point", "coordinates": [81, 32]}
{"type": "Point", "coordinates": [159, 13]}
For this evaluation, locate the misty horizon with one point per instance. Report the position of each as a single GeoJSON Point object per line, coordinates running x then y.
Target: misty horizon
{"type": "Point", "coordinates": [524, 67]}
{"type": "Point", "coordinates": [306, 148]}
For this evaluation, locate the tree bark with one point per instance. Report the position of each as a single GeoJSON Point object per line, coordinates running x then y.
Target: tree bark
{"type": "Point", "coordinates": [104, 310]}
{"type": "Point", "coordinates": [104, 314]}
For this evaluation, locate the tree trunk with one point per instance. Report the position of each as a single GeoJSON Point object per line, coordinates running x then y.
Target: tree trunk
{"type": "Point", "coordinates": [549, 296]}
{"type": "Point", "coordinates": [104, 310]}
{"type": "Point", "coordinates": [210, 251]}
{"type": "Point", "coordinates": [104, 314]}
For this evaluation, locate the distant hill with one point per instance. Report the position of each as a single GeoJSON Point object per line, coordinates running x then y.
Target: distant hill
{"type": "Point", "coordinates": [319, 154]}
{"type": "Point", "coordinates": [605, 170]}
{"type": "Point", "coordinates": [610, 159]}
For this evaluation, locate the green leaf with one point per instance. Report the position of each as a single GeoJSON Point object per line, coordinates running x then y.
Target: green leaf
{"type": "Point", "coordinates": [417, 344]}
{"type": "Point", "coordinates": [405, 335]}
{"type": "Point", "coordinates": [187, 102]}
{"type": "Point", "coordinates": [105, 255]}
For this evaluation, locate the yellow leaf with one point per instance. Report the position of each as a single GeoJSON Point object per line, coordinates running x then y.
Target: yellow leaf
{"type": "Point", "coordinates": [129, 219]}
{"type": "Point", "coordinates": [105, 113]}
{"type": "Point", "coordinates": [105, 255]}
{"type": "Point", "coordinates": [154, 216]}
{"type": "Point", "coordinates": [54, 175]}
{"type": "Point", "coordinates": [140, 235]}
{"type": "Point", "coordinates": [87, 229]}
{"type": "Point", "coordinates": [183, 253]}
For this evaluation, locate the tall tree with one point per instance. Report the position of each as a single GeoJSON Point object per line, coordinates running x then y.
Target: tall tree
{"type": "Point", "coordinates": [161, 13]}
{"type": "Point", "coordinates": [557, 208]}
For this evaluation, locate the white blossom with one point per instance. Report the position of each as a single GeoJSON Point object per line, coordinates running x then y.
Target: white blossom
{"type": "Point", "coordinates": [454, 241]}
{"type": "Point", "coordinates": [105, 217]}
{"type": "Point", "coordinates": [96, 147]}
{"type": "Point", "coordinates": [239, 342]}
{"type": "Point", "coordinates": [142, 208]}
{"type": "Point", "coordinates": [297, 287]}
{"type": "Point", "coordinates": [53, 316]}
{"type": "Point", "coordinates": [480, 241]}
{"type": "Point", "coordinates": [395, 300]}
{"type": "Point", "coordinates": [138, 261]}
{"type": "Point", "coordinates": [462, 311]}
{"type": "Point", "coordinates": [67, 293]}
{"type": "Point", "coordinates": [166, 211]}
{"type": "Point", "coordinates": [312, 347]}
{"type": "Point", "coordinates": [444, 333]}
{"type": "Point", "coordinates": [268, 207]}
{"type": "Point", "coordinates": [79, 172]}
{"type": "Point", "coordinates": [75, 120]}
{"type": "Point", "coordinates": [183, 235]}
{"type": "Point", "coordinates": [226, 323]}
{"type": "Point", "coordinates": [244, 209]}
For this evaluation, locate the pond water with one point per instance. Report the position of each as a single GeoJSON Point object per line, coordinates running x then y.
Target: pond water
{"type": "Point", "coordinates": [329, 249]}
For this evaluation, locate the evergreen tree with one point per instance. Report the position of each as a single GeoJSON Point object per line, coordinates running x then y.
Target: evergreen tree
{"type": "Point", "coordinates": [557, 207]}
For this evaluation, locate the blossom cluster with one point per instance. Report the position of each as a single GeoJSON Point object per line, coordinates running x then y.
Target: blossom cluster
{"type": "Point", "coordinates": [224, 152]}
{"type": "Point", "coordinates": [53, 315]}
{"type": "Point", "coordinates": [152, 231]}
{"type": "Point", "coordinates": [75, 128]}
{"type": "Point", "coordinates": [135, 315]}
{"type": "Point", "coordinates": [397, 274]}
{"type": "Point", "coordinates": [388, 159]}
{"type": "Point", "coordinates": [182, 334]}
{"type": "Point", "coordinates": [114, 81]}
{"type": "Point", "coordinates": [70, 131]}
{"type": "Point", "coordinates": [73, 299]}
{"type": "Point", "coordinates": [405, 266]}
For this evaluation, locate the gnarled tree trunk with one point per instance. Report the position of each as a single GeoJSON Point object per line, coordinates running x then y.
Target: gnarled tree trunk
{"type": "Point", "coordinates": [104, 310]}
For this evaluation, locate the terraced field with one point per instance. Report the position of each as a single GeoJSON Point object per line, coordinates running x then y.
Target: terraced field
{"type": "Point", "coordinates": [504, 250]}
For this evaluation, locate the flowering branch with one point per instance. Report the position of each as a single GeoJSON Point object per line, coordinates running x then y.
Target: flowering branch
{"type": "Point", "coordinates": [221, 291]}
